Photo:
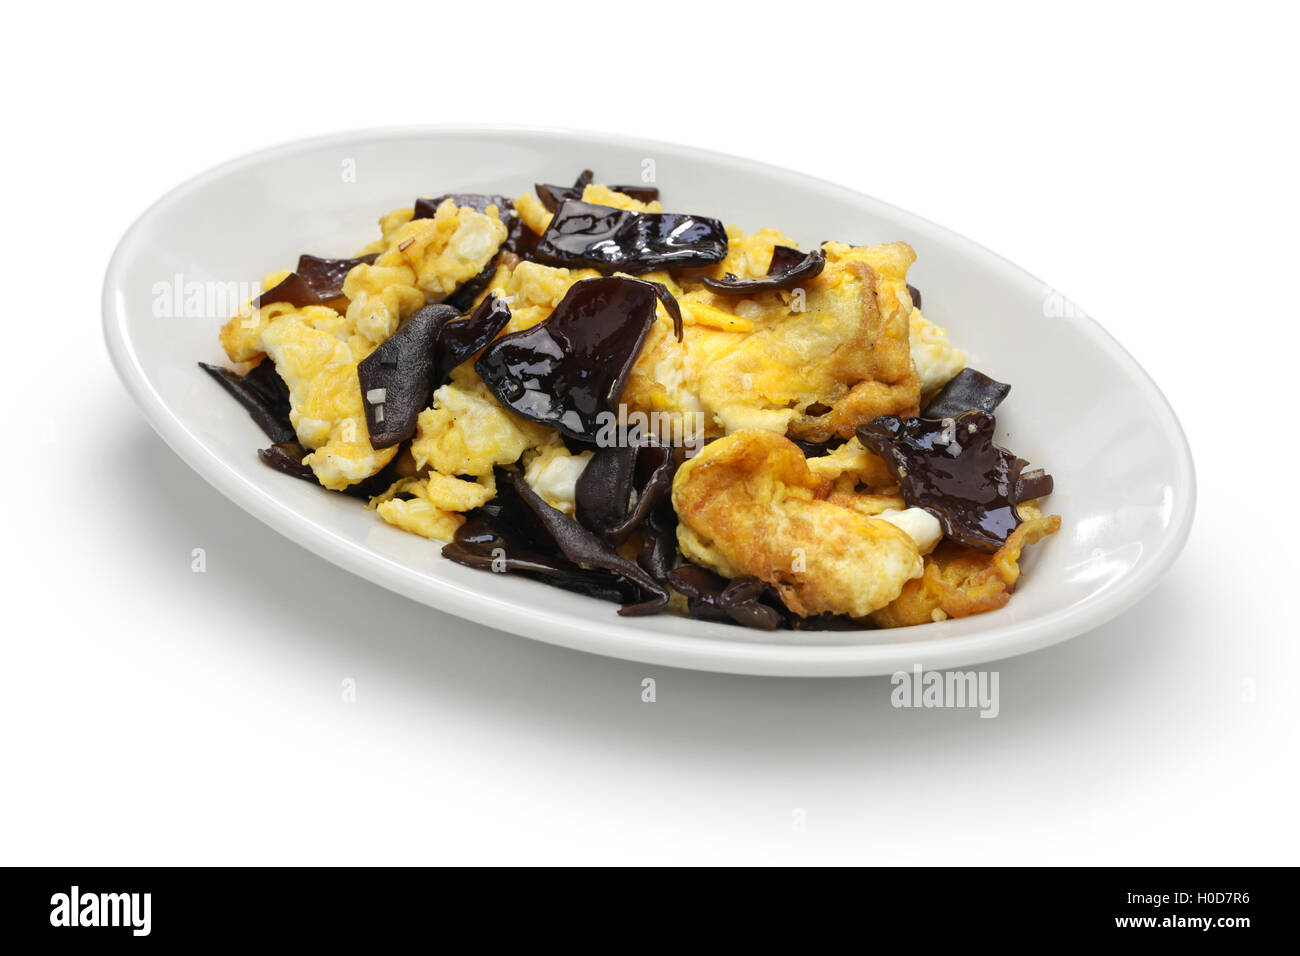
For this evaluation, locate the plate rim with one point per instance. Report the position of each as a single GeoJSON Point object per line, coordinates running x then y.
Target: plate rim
{"type": "Point", "coordinates": [608, 638]}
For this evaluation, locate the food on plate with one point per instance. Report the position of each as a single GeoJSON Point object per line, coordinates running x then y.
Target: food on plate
{"type": "Point", "coordinates": [646, 407]}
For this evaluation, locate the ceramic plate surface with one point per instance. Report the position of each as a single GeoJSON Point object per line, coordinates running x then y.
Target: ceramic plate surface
{"type": "Point", "coordinates": [1080, 405]}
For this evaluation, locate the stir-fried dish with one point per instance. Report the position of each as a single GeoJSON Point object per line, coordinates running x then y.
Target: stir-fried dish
{"type": "Point", "coordinates": [646, 407]}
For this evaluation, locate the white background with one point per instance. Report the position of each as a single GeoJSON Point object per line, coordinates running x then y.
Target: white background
{"type": "Point", "coordinates": [1145, 163]}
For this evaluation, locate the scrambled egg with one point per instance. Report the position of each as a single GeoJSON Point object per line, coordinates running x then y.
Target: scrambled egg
{"type": "Point", "coordinates": [315, 351]}
{"type": "Point", "coordinates": [959, 581]}
{"type": "Point", "coordinates": [813, 362]}
{"type": "Point", "coordinates": [434, 508]}
{"type": "Point", "coordinates": [600, 195]}
{"type": "Point", "coordinates": [459, 439]}
{"type": "Point", "coordinates": [418, 259]}
{"type": "Point", "coordinates": [534, 214]}
{"type": "Point", "coordinates": [320, 368]}
{"type": "Point", "coordinates": [467, 432]}
{"type": "Point", "coordinates": [849, 466]}
{"type": "Point", "coordinates": [749, 505]}
{"type": "Point", "coordinates": [749, 256]}
{"type": "Point", "coordinates": [533, 290]}
{"type": "Point", "coordinates": [935, 358]}
{"type": "Point", "coordinates": [422, 258]}
{"type": "Point", "coordinates": [553, 472]}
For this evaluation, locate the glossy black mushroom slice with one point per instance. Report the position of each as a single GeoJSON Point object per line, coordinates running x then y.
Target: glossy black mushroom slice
{"type": "Point", "coordinates": [460, 339]}
{"type": "Point", "coordinates": [397, 378]}
{"type": "Point", "coordinates": [953, 470]}
{"type": "Point", "coordinates": [670, 305]}
{"type": "Point", "coordinates": [1033, 484]}
{"type": "Point", "coordinates": [742, 599]}
{"type": "Point", "coordinates": [505, 535]}
{"type": "Point", "coordinates": [255, 394]}
{"type": "Point", "coordinates": [646, 194]}
{"type": "Point", "coordinates": [829, 622]}
{"type": "Point", "coordinates": [482, 544]}
{"type": "Point", "coordinates": [966, 390]}
{"type": "Point", "coordinates": [293, 289]}
{"type": "Point", "coordinates": [604, 491]}
{"type": "Point", "coordinates": [315, 281]}
{"type": "Point", "coordinates": [915, 293]}
{"type": "Point", "coordinates": [469, 290]}
{"type": "Point", "coordinates": [286, 457]}
{"type": "Point", "coordinates": [266, 382]}
{"type": "Point", "coordinates": [325, 276]}
{"type": "Point", "coordinates": [789, 268]}
{"type": "Point", "coordinates": [785, 258]}
{"type": "Point", "coordinates": [552, 195]}
{"type": "Point", "coordinates": [818, 449]}
{"type": "Point", "coordinates": [710, 597]}
{"type": "Point", "coordinates": [703, 590]}
{"type": "Point", "coordinates": [659, 554]}
{"type": "Point", "coordinates": [569, 370]}
{"type": "Point", "coordinates": [585, 548]}
{"type": "Point", "coordinates": [601, 237]}
{"type": "Point", "coordinates": [521, 240]}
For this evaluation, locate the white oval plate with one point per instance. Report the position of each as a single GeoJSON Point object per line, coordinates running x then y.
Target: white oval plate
{"type": "Point", "coordinates": [1080, 405]}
